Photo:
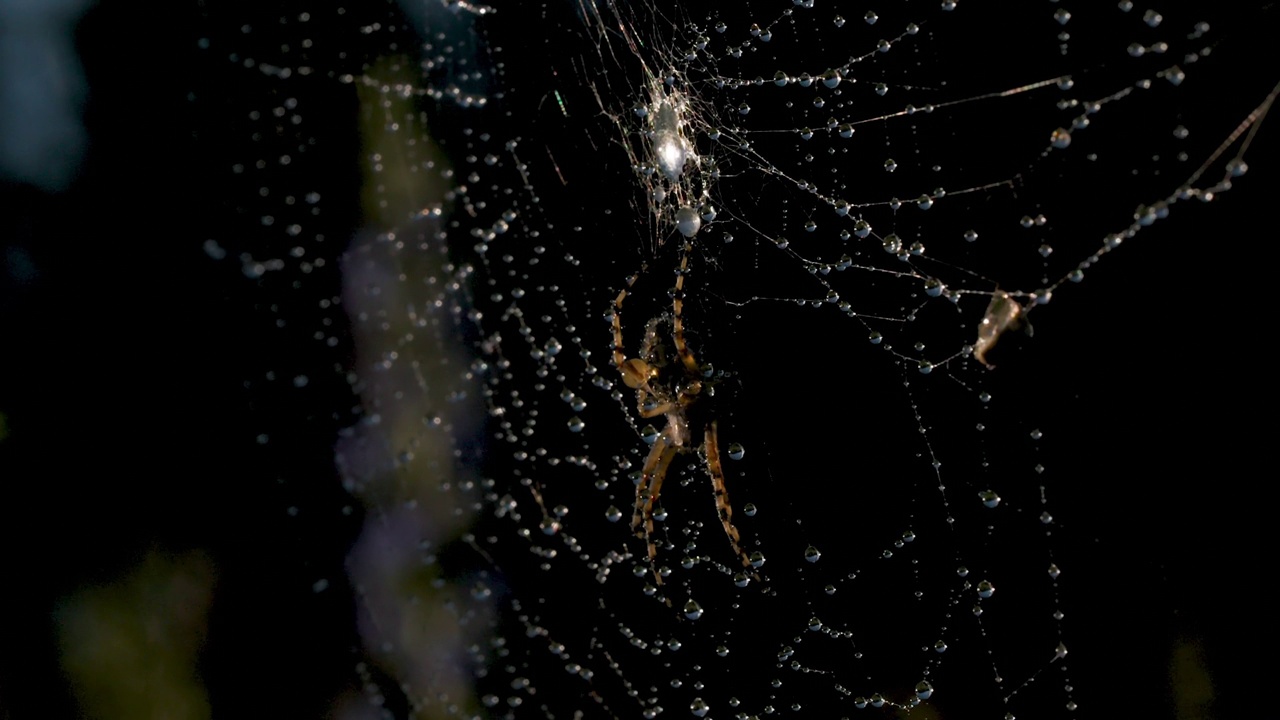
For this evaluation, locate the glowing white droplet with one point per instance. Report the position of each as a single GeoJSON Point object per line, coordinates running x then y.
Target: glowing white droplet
{"type": "Point", "coordinates": [687, 221]}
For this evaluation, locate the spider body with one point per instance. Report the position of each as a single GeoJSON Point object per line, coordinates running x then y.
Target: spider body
{"type": "Point", "coordinates": [675, 389]}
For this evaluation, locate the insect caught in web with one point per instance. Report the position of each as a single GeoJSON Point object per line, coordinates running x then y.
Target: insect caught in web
{"type": "Point", "coordinates": [677, 390]}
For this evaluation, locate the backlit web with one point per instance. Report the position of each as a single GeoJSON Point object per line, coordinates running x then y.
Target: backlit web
{"type": "Point", "coordinates": [867, 185]}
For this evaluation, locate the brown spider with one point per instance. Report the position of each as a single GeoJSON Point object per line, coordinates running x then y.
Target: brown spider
{"type": "Point", "coordinates": [674, 391]}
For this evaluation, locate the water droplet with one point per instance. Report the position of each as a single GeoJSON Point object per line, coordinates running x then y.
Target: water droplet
{"type": "Point", "coordinates": [692, 610]}
{"type": "Point", "coordinates": [812, 554]}
{"type": "Point", "coordinates": [687, 221]}
{"type": "Point", "coordinates": [1054, 572]}
{"type": "Point", "coordinates": [649, 434]}
{"type": "Point", "coordinates": [890, 165]}
{"type": "Point", "coordinates": [986, 589]}
{"type": "Point", "coordinates": [1060, 138]}
{"type": "Point", "coordinates": [970, 235]}
{"type": "Point", "coordinates": [576, 424]}
{"type": "Point", "coordinates": [940, 647]}
{"type": "Point", "coordinates": [925, 367]}
{"type": "Point", "coordinates": [831, 78]}
{"type": "Point", "coordinates": [736, 451]}
{"type": "Point", "coordinates": [989, 498]}
{"type": "Point", "coordinates": [756, 559]}
{"type": "Point", "coordinates": [924, 690]}
{"type": "Point", "coordinates": [749, 509]}
{"type": "Point", "coordinates": [612, 514]}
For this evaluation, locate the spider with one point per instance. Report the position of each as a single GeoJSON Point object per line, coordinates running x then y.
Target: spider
{"type": "Point", "coordinates": [675, 391]}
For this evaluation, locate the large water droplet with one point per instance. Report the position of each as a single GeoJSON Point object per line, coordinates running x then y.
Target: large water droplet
{"type": "Point", "coordinates": [687, 221]}
{"type": "Point", "coordinates": [692, 610]}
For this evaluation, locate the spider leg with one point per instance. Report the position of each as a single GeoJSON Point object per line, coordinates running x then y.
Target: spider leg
{"type": "Point", "coordinates": [647, 492]}
{"type": "Point", "coordinates": [711, 445]}
{"type": "Point", "coordinates": [677, 319]}
{"type": "Point", "coordinates": [619, 352]}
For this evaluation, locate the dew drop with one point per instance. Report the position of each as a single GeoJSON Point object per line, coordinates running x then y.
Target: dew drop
{"type": "Point", "coordinates": [687, 221]}
{"type": "Point", "coordinates": [692, 610]}
{"type": "Point", "coordinates": [649, 434]}
{"type": "Point", "coordinates": [812, 554]}
{"type": "Point", "coordinates": [736, 451]}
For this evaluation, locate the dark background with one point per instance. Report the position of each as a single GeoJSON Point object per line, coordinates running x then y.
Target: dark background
{"type": "Point", "coordinates": [133, 394]}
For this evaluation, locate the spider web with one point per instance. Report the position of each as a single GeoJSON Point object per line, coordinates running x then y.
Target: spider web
{"type": "Point", "coordinates": [927, 525]}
